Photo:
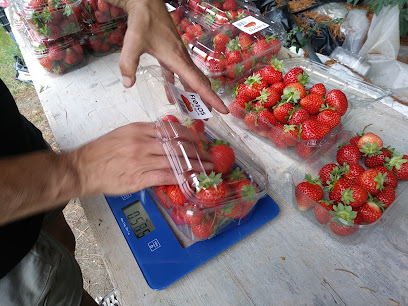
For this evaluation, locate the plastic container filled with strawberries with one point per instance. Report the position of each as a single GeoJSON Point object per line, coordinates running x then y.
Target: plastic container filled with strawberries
{"type": "Point", "coordinates": [294, 104]}
{"type": "Point", "coordinates": [53, 19]}
{"type": "Point", "coordinates": [360, 181]}
{"type": "Point", "coordinates": [105, 38]}
{"type": "Point", "coordinates": [205, 202]}
{"type": "Point", "coordinates": [57, 56]}
{"type": "Point", "coordinates": [100, 11]}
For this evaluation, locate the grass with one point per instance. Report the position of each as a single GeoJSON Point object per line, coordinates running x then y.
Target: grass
{"type": "Point", "coordinates": [7, 73]}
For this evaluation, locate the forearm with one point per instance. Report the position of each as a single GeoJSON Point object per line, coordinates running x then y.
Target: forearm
{"type": "Point", "coordinates": [36, 182]}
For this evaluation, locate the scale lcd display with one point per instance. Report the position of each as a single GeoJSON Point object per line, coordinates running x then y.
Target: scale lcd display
{"type": "Point", "coordinates": [138, 219]}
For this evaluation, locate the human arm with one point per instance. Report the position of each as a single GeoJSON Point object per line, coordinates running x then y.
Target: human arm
{"type": "Point", "coordinates": [151, 30]}
{"type": "Point", "coordinates": [126, 160]}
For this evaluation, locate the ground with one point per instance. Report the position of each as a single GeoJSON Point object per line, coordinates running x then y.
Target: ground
{"type": "Point", "coordinates": [88, 254]}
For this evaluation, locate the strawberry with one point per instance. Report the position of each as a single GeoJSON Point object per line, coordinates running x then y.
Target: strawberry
{"type": "Point", "coordinates": [222, 156]}
{"type": "Point", "coordinates": [328, 173]}
{"type": "Point", "coordinates": [275, 135]}
{"type": "Point", "coordinates": [215, 65]}
{"type": "Point", "coordinates": [318, 89]}
{"type": "Point", "coordinates": [220, 40]}
{"type": "Point", "coordinates": [391, 178]}
{"type": "Point", "coordinates": [211, 190]}
{"type": "Point", "coordinates": [196, 126]}
{"type": "Point", "coordinates": [71, 57]}
{"type": "Point", "coordinates": [161, 194]}
{"type": "Point", "coordinates": [207, 228]}
{"type": "Point", "coordinates": [342, 230]}
{"type": "Point", "coordinates": [343, 220]}
{"type": "Point", "coordinates": [337, 189]}
{"type": "Point", "coordinates": [177, 214]}
{"type": "Point", "coordinates": [269, 97]}
{"type": "Point", "coordinates": [369, 139]}
{"type": "Point", "coordinates": [46, 62]}
{"type": "Point", "coordinates": [115, 37]}
{"type": "Point", "coordinates": [175, 16]}
{"type": "Point", "coordinates": [103, 6]}
{"type": "Point", "coordinates": [308, 192]}
{"type": "Point", "coordinates": [245, 40]}
{"type": "Point", "coordinates": [259, 47]}
{"type": "Point", "coordinates": [281, 112]}
{"type": "Point", "coordinates": [221, 18]}
{"type": "Point", "coordinates": [235, 176]}
{"type": "Point", "coordinates": [329, 117]}
{"type": "Point", "coordinates": [372, 180]}
{"type": "Point", "coordinates": [399, 165]}
{"type": "Point", "coordinates": [290, 135]}
{"type": "Point", "coordinates": [371, 211]}
{"type": "Point", "coordinates": [338, 100]}
{"type": "Point", "coordinates": [266, 120]}
{"type": "Point", "coordinates": [296, 75]}
{"type": "Point", "coordinates": [348, 154]}
{"type": "Point", "coordinates": [58, 68]}
{"type": "Point", "coordinates": [195, 30]}
{"type": "Point", "coordinates": [278, 87]}
{"type": "Point", "coordinates": [354, 140]}
{"type": "Point", "coordinates": [229, 5]}
{"type": "Point", "coordinates": [234, 71]}
{"type": "Point", "coordinates": [297, 88]}
{"type": "Point", "coordinates": [304, 150]}
{"type": "Point", "coordinates": [53, 32]}
{"type": "Point", "coordinates": [312, 104]}
{"type": "Point", "coordinates": [355, 196]}
{"type": "Point", "coordinates": [170, 118]}
{"type": "Point", "coordinates": [176, 195]}
{"type": "Point", "coordinates": [255, 84]}
{"type": "Point", "coordinates": [298, 116]}
{"type": "Point", "coordinates": [184, 23]}
{"type": "Point", "coordinates": [237, 108]}
{"type": "Point", "coordinates": [271, 75]}
{"type": "Point", "coordinates": [377, 158]}
{"type": "Point", "coordinates": [234, 57]}
{"type": "Point", "coordinates": [114, 11]}
{"type": "Point", "coordinates": [352, 172]}
{"type": "Point", "coordinates": [312, 129]}
{"type": "Point", "coordinates": [386, 196]}
{"type": "Point", "coordinates": [101, 17]}
{"type": "Point", "coordinates": [322, 211]}
{"type": "Point", "coordinates": [193, 214]}
{"type": "Point", "coordinates": [250, 121]}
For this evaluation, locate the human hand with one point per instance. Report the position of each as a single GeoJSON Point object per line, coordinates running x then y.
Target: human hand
{"type": "Point", "coordinates": [151, 30]}
{"type": "Point", "coordinates": [130, 159]}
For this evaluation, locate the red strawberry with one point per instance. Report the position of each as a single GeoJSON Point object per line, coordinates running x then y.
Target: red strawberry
{"type": "Point", "coordinates": [245, 40]}
{"type": "Point", "coordinates": [281, 112]}
{"type": "Point", "coordinates": [205, 229]}
{"type": "Point", "coordinates": [170, 118]}
{"type": "Point", "coordinates": [377, 158]}
{"type": "Point", "coordinates": [329, 117]}
{"type": "Point", "coordinates": [369, 139]}
{"type": "Point", "coordinates": [250, 121]}
{"type": "Point", "coordinates": [342, 230]}
{"type": "Point", "coordinates": [290, 135]}
{"type": "Point", "coordinates": [337, 99]}
{"type": "Point", "coordinates": [352, 172]}
{"type": "Point", "coordinates": [211, 190]}
{"type": "Point", "coordinates": [193, 214]}
{"type": "Point", "coordinates": [296, 75]}
{"type": "Point", "coordinates": [235, 176]}
{"type": "Point", "coordinates": [304, 150]}
{"type": "Point", "coordinates": [237, 108]}
{"type": "Point", "coordinates": [196, 126]}
{"type": "Point", "coordinates": [371, 211]}
{"type": "Point", "coordinates": [195, 30]}
{"type": "Point", "coordinates": [184, 24]}
{"type": "Point", "coordinates": [308, 192]}
{"type": "Point", "coordinates": [296, 88]}
{"type": "Point", "coordinates": [101, 17]}
{"type": "Point", "coordinates": [229, 5]}
{"type": "Point", "coordinates": [391, 179]}
{"type": "Point", "coordinates": [114, 11]}
{"type": "Point", "coordinates": [343, 220]}
{"type": "Point", "coordinates": [322, 211]}
{"type": "Point", "coordinates": [386, 196]}
{"type": "Point", "coordinates": [103, 6]}
{"type": "Point", "coordinates": [55, 53]}
{"type": "Point", "coordinates": [355, 196]}
{"type": "Point", "coordinates": [255, 84]}
{"type": "Point", "coordinates": [176, 195]}
{"type": "Point", "coordinates": [312, 103]}
{"type": "Point", "coordinates": [161, 194]}
{"type": "Point", "coordinates": [338, 187]}
{"type": "Point", "coordinates": [71, 57]}
{"type": "Point", "coordinates": [222, 156]}
{"type": "Point", "coordinates": [220, 40]}
{"type": "Point", "coordinates": [234, 57]}
{"type": "Point", "coordinates": [266, 120]}
{"type": "Point", "coordinates": [278, 87]}
{"type": "Point", "coordinates": [187, 38]}
{"type": "Point", "coordinates": [312, 129]}
{"type": "Point", "coordinates": [259, 47]}
{"type": "Point", "coordinates": [372, 180]}
{"type": "Point", "coordinates": [399, 165]}
{"type": "Point", "coordinates": [269, 97]}
{"type": "Point", "coordinates": [298, 116]}
{"type": "Point", "coordinates": [275, 135]}
{"type": "Point", "coordinates": [318, 89]}
{"type": "Point", "coordinates": [177, 214]}
{"type": "Point", "coordinates": [46, 62]}
{"type": "Point", "coordinates": [328, 173]}
{"type": "Point", "coordinates": [348, 154]}
{"type": "Point", "coordinates": [271, 75]}
{"type": "Point", "coordinates": [354, 140]}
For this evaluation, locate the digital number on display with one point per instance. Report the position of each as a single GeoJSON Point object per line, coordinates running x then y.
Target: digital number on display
{"type": "Point", "coordinates": [138, 219]}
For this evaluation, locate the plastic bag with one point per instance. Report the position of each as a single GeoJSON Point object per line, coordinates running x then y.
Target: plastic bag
{"type": "Point", "coordinates": [354, 29]}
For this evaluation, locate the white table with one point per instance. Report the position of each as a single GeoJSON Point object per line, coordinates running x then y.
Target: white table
{"type": "Point", "coordinates": [289, 261]}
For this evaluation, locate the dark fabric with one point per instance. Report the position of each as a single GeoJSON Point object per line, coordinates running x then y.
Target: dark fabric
{"type": "Point", "coordinates": [18, 136]}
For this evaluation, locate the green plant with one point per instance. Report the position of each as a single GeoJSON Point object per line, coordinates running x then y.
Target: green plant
{"type": "Point", "coordinates": [378, 5]}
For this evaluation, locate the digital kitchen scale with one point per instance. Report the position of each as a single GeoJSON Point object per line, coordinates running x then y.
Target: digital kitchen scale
{"type": "Point", "coordinates": [160, 250]}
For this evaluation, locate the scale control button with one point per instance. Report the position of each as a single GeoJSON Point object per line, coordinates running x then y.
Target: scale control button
{"type": "Point", "coordinates": [154, 245]}
{"type": "Point", "coordinates": [126, 196]}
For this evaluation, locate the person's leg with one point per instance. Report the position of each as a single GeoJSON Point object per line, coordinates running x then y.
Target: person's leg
{"type": "Point", "coordinates": [60, 230]}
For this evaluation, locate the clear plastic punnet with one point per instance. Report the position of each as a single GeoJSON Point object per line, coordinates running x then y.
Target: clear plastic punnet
{"type": "Point", "coordinates": [296, 105]}
{"type": "Point", "coordinates": [336, 204]}
{"type": "Point", "coordinates": [53, 19]}
{"type": "Point", "coordinates": [204, 202]}
{"type": "Point", "coordinates": [99, 11]}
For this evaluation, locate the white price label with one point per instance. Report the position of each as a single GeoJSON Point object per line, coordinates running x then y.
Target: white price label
{"type": "Point", "coordinates": [169, 7]}
{"type": "Point", "coordinates": [250, 25]}
{"type": "Point", "coordinates": [190, 103]}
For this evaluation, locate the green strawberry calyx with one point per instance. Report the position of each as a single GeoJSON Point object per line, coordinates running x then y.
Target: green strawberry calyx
{"type": "Point", "coordinates": [395, 161]}
{"type": "Point", "coordinates": [208, 181]}
{"type": "Point", "coordinates": [326, 202]}
{"type": "Point", "coordinates": [380, 179]}
{"type": "Point", "coordinates": [347, 196]}
{"type": "Point", "coordinates": [189, 122]}
{"type": "Point", "coordinates": [290, 95]}
{"type": "Point", "coordinates": [233, 45]}
{"type": "Point", "coordinates": [277, 64]}
{"type": "Point", "coordinates": [236, 175]}
{"type": "Point", "coordinates": [253, 79]}
{"type": "Point", "coordinates": [215, 84]}
{"type": "Point", "coordinates": [370, 149]}
{"type": "Point", "coordinates": [263, 97]}
{"type": "Point", "coordinates": [303, 78]}
{"type": "Point", "coordinates": [217, 142]}
{"type": "Point", "coordinates": [373, 200]}
{"type": "Point", "coordinates": [309, 179]}
{"type": "Point", "coordinates": [343, 215]}
{"type": "Point", "coordinates": [249, 193]}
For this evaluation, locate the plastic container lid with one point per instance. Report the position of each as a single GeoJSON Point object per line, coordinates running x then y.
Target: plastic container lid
{"type": "Point", "coordinates": [163, 99]}
{"type": "Point", "coordinates": [389, 128]}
